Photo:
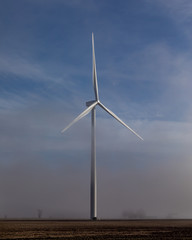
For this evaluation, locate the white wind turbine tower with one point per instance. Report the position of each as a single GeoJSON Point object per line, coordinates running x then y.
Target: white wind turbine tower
{"type": "Point", "coordinates": [91, 108]}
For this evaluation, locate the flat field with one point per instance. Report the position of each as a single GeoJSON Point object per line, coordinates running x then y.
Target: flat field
{"type": "Point", "coordinates": [87, 230]}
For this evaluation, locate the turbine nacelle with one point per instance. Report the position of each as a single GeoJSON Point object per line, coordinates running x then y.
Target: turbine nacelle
{"type": "Point", "coordinates": [89, 103]}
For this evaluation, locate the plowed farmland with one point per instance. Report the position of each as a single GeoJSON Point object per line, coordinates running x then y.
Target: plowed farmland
{"type": "Point", "coordinates": [87, 230]}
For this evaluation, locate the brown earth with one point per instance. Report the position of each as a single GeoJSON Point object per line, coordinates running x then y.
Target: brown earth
{"type": "Point", "coordinates": [88, 230]}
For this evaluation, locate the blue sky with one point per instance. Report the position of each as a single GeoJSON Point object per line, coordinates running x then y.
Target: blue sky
{"type": "Point", "coordinates": [143, 53]}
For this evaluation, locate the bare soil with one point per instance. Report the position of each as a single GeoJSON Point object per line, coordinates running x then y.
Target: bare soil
{"type": "Point", "coordinates": [88, 230]}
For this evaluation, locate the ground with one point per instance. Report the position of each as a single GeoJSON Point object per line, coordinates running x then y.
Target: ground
{"type": "Point", "coordinates": [88, 230]}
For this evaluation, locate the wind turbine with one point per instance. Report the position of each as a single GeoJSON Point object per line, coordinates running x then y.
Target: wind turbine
{"type": "Point", "coordinates": [91, 108]}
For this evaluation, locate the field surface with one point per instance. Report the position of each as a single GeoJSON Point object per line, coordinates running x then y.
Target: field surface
{"type": "Point", "coordinates": [87, 230]}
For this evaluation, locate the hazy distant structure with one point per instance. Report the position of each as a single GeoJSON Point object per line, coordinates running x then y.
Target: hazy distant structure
{"type": "Point", "coordinates": [39, 213]}
{"type": "Point", "coordinates": [91, 108]}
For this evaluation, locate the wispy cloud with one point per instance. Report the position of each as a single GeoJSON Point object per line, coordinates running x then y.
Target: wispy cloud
{"type": "Point", "coordinates": [180, 10]}
{"type": "Point", "coordinates": [23, 68]}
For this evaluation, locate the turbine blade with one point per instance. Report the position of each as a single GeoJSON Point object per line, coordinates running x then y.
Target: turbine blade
{"type": "Point", "coordinates": [95, 85]}
{"type": "Point", "coordinates": [118, 119]}
{"type": "Point", "coordinates": [83, 114]}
